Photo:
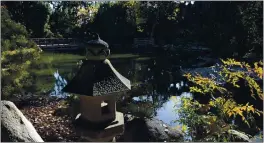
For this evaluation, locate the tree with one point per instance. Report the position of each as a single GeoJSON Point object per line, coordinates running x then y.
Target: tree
{"type": "Point", "coordinates": [157, 13]}
{"type": "Point", "coordinates": [64, 18]}
{"type": "Point", "coordinates": [237, 29]}
{"type": "Point", "coordinates": [34, 15]}
{"type": "Point", "coordinates": [251, 14]}
{"type": "Point", "coordinates": [115, 22]}
{"type": "Point", "coordinates": [17, 55]}
{"type": "Point", "coordinates": [213, 121]}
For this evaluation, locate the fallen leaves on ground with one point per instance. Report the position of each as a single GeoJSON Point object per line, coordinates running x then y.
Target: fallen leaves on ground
{"type": "Point", "coordinates": [51, 127]}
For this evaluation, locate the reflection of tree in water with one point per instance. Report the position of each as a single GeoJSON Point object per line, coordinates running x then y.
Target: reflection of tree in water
{"type": "Point", "coordinates": [144, 106]}
{"type": "Point", "coordinates": [156, 78]}
{"type": "Point", "coordinates": [139, 108]}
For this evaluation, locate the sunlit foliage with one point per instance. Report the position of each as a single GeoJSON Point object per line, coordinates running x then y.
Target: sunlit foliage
{"type": "Point", "coordinates": [213, 121]}
{"type": "Point", "coordinates": [17, 55]}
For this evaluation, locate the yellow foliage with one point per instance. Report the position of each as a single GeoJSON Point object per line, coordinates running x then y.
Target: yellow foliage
{"type": "Point", "coordinates": [234, 76]}
{"type": "Point", "coordinates": [232, 62]}
{"type": "Point", "coordinates": [130, 3]}
{"type": "Point", "coordinates": [231, 108]}
{"type": "Point", "coordinates": [204, 85]}
{"type": "Point", "coordinates": [258, 69]}
{"type": "Point", "coordinates": [184, 128]}
{"type": "Point", "coordinates": [228, 106]}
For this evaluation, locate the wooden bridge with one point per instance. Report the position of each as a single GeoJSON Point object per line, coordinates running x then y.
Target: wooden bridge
{"type": "Point", "coordinates": [143, 42]}
{"type": "Point", "coordinates": [71, 44]}
{"type": "Point", "coordinates": [52, 44]}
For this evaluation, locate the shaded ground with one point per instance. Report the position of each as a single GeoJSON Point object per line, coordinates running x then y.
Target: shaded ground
{"type": "Point", "coordinates": [51, 127]}
{"type": "Point", "coordinates": [53, 121]}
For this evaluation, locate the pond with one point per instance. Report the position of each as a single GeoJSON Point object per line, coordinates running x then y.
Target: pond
{"type": "Point", "coordinates": [157, 83]}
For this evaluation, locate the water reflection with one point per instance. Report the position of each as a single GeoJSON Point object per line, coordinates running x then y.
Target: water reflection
{"type": "Point", "coordinates": [60, 83]}
{"type": "Point", "coordinates": [157, 86]}
{"type": "Point", "coordinates": [167, 112]}
{"type": "Point", "coordinates": [152, 89]}
{"type": "Point", "coordinates": [258, 137]}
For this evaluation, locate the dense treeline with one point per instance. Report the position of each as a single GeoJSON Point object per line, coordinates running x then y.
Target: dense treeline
{"type": "Point", "coordinates": [237, 28]}
{"type": "Point", "coordinates": [33, 15]}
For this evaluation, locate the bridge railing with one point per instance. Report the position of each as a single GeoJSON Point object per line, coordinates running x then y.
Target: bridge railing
{"type": "Point", "coordinates": [55, 42]}
{"type": "Point", "coordinates": [143, 42]}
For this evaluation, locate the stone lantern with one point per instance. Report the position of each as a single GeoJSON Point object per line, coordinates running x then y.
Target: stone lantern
{"type": "Point", "coordinates": [98, 83]}
{"type": "Point", "coordinates": [96, 46]}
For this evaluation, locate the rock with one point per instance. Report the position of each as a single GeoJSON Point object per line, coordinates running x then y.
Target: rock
{"type": "Point", "coordinates": [159, 132]}
{"type": "Point", "coordinates": [166, 131]}
{"type": "Point", "coordinates": [128, 117]}
{"type": "Point", "coordinates": [15, 127]}
{"type": "Point", "coordinates": [164, 125]}
{"type": "Point", "coordinates": [149, 130]}
{"type": "Point", "coordinates": [239, 135]}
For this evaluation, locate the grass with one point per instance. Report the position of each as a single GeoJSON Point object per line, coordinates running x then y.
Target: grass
{"type": "Point", "coordinates": [58, 57]}
{"type": "Point", "coordinates": [43, 72]}
{"type": "Point", "coordinates": [115, 56]}
{"type": "Point", "coordinates": [51, 58]}
{"type": "Point", "coordinates": [123, 56]}
{"type": "Point", "coordinates": [44, 85]}
{"type": "Point", "coordinates": [143, 58]}
{"type": "Point", "coordinates": [50, 63]}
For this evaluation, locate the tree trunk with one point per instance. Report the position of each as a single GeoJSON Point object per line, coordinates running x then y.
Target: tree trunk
{"type": "Point", "coordinates": [153, 29]}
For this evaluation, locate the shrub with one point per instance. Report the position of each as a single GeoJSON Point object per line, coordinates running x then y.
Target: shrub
{"type": "Point", "coordinates": [215, 121]}
{"type": "Point", "coordinates": [17, 55]}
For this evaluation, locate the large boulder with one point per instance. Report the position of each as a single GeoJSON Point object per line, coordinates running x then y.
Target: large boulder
{"type": "Point", "coordinates": [14, 125]}
{"type": "Point", "coordinates": [149, 130]}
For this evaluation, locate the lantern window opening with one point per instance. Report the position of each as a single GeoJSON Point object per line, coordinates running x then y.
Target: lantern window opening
{"type": "Point", "coordinates": [105, 107]}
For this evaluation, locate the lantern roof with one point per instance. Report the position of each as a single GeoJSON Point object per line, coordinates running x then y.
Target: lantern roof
{"type": "Point", "coordinates": [97, 78]}
{"type": "Point", "coordinates": [97, 42]}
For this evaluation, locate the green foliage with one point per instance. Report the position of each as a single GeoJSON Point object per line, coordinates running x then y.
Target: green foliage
{"type": "Point", "coordinates": [17, 55]}
{"type": "Point", "coordinates": [120, 22]}
{"type": "Point", "coordinates": [157, 19]}
{"type": "Point", "coordinates": [237, 29]}
{"type": "Point", "coordinates": [34, 15]}
{"type": "Point", "coordinates": [43, 70]}
{"type": "Point", "coordinates": [87, 12]}
{"type": "Point", "coordinates": [73, 100]}
{"type": "Point", "coordinates": [251, 14]}
{"type": "Point", "coordinates": [233, 77]}
{"type": "Point", "coordinates": [64, 19]}
{"type": "Point", "coordinates": [115, 22]}
{"type": "Point", "coordinates": [216, 125]}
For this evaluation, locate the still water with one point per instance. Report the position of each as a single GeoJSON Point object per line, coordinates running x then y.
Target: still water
{"type": "Point", "coordinates": [157, 86]}
{"type": "Point", "coordinates": [152, 87]}
{"type": "Point", "coordinates": [146, 90]}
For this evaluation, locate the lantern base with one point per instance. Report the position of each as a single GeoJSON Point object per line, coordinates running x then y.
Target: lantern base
{"type": "Point", "coordinates": [105, 134]}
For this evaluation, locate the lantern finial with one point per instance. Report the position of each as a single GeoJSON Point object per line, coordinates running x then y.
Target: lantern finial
{"type": "Point", "coordinates": [97, 46]}
{"type": "Point", "coordinates": [97, 36]}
